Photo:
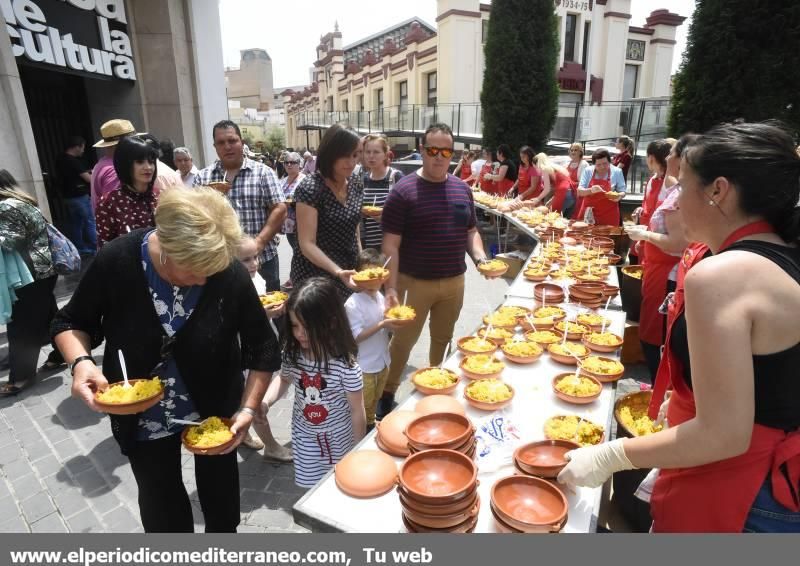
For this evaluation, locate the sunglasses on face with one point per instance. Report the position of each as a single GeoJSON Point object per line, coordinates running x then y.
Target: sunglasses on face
{"type": "Point", "coordinates": [433, 151]}
{"type": "Point", "coordinates": [291, 163]}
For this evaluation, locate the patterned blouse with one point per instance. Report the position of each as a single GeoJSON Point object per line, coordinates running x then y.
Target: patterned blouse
{"type": "Point", "coordinates": [174, 306]}
{"type": "Point", "coordinates": [123, 210]}
{"type": "Point", "coordinates": [290, 224]}
{"type": "Point", "coordinates": [23, 229]}
{"type": "Point", "coordinates": [336, 227]}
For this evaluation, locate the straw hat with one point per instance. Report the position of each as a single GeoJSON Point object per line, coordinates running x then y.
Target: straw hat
{"type": "Point", "coordinates": [113, 131]}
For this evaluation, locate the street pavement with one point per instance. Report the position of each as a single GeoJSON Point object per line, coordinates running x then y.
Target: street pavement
{"type": "Point", "coordinates": [61, 470]}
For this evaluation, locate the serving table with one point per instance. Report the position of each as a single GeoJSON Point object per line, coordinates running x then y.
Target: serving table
{"type": "Point", "coordinates": [327, 509]}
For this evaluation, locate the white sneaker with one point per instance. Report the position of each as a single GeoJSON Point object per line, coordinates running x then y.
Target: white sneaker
{"type": "Point", "coordinates": [252, 441]}
{"type": "Point", "coordinates": [278, 453]}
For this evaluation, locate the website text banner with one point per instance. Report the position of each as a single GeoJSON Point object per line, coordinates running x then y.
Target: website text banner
{"type": "Point", "coordinates": [401, 549]}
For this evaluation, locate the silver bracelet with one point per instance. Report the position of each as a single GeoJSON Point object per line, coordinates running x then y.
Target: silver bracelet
{"type": "Point", "coordinates": [247, 410]}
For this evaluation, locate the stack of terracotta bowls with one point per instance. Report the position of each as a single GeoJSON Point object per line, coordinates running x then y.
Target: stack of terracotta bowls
{"type": "Point", "coordinates": [438, 492]}
{"type": "Point", "coordinates": [525, 504]}
{"type": "Point", "coordinates": [604, 244]}
{"type": "Point", "coordinates": [601, 230]}
{"type": "Point", "coordinates": [548, 294]}
{"type": "Point", "coordinates": [448, 431]}
{"type": "Point", "coordinates": [587, 293]}
{"type": "Point", "coordinates": [391, 436]}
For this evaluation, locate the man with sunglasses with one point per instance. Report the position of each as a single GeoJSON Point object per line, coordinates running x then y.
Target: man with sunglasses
{"type": "Point", "coordinates": [428, 225]}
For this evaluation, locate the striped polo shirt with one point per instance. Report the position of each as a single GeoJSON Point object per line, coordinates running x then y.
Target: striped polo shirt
{"type": "Point", "coordinates": [433, 220]}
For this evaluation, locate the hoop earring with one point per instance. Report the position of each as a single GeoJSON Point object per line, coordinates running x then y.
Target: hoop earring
{"type": "Point", "coordinates": [161, 258]}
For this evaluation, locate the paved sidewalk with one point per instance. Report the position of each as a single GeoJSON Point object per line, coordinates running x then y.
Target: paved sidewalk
{"type": "Point", "coordinates": [61, 471]}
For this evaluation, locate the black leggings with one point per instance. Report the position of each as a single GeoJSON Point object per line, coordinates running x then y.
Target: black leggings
{"type": "Point", "coordinates": [163, 502]}
{"type": "Point", "coordinates": [28, 328]}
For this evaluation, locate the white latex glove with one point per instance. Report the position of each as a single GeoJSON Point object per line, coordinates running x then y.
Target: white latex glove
{"type": "Point", "coordinates": [661, 419]}
{"type": "Point", "coordinates": [591, 466]}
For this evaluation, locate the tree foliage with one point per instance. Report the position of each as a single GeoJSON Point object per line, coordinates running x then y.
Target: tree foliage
{"type": "Point", "coordinates": [276, 140]}
{"type": "Point", "coordinates": [740, 62]}
{"type": "Point", "coordinates": [520, 91]}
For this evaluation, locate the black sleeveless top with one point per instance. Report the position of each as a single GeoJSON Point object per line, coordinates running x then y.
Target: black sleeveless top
{"type": "Point", "coordinates": [776, 379]}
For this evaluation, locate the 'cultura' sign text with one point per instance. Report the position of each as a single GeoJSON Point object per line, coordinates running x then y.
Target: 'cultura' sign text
{"type": "Point", "coordinates": [32, 37]}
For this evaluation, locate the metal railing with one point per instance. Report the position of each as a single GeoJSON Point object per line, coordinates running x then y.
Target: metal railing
{"type": "Point", "coordinates": [593, 125]}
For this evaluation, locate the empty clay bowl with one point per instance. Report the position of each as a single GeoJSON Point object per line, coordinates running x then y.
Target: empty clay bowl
{"type": "Point", "coordinates": [391, 431]}
{"type": "Point", "coordinates": [466, 527]}
{"type": "Point", "coordinates": [439, 404]}
{"type": "Point", "coordinates": [548, 292]}
{"type": "Point", "coordinates": [544, 458]}
{"type": "Point", "coordinates": [438, 476]}
{"type": "Point", "coordinates": [366, 473]}
{"type": "Point", "coordinates": [439, 430]}
{"type": "Point", "coordinates": [528, 503]}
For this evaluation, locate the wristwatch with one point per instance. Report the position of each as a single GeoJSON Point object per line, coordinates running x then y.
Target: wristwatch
{"type": "Point", "coordinates": [78, 360]}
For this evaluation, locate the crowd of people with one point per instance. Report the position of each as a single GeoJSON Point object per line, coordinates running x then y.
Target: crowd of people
{"type": "Point", "coordinates": [718, 204]}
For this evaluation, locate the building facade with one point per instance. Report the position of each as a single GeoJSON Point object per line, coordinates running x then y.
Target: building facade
{"type": "Point", "coordinates": [251, 83]}
{"type": "Point", "coordinates": [413, 67]}
{"type": "Point", "coordinates": [68, 66]}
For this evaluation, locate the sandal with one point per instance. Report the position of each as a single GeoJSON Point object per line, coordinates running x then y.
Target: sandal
{"type": "Point", "coordinates": [9, 390]}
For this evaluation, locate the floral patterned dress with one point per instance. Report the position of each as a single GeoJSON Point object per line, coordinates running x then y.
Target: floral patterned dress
{"type": "Point", "coordinates": [174, 306]}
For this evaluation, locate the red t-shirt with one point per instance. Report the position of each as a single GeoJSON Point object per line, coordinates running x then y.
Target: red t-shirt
{"type": "Point", "coordinates": [433, 220]}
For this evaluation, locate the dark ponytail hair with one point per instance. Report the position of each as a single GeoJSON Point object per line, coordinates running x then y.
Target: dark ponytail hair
{"type": "Point", "coordinates": [318, 305]}
{"type": "Point", "coordinates": [659, 149]}
{"type": "Point", "coordinates": [760, 160]}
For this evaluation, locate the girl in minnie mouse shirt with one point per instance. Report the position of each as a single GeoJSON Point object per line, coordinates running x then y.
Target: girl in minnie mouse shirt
{"type": "Point", "coordinates": [319, 358]}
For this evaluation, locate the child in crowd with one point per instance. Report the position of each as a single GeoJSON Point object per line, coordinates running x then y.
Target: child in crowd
{"type": "Point", "coordinates": [319, 358]}
{"type": "Point", "coordinates": [248, 255]}
{"type": "Point", "coordinates": [370, 328]}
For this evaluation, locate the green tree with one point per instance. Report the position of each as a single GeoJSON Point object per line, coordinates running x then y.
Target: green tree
{"type": "Point", "coordinates": [520, 92]}
{"type": "Point", "coordinates": [739, 63]}
{"type": "Point", "coordinates": [276, 140]}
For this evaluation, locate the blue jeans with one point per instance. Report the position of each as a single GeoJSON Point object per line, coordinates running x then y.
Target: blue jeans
{"type": "Point", "coordinates": [768, 516]}
{"type": "Point", "coordinates": [82, 229]}
{"type": "Point", "coordinates": [271, 274]}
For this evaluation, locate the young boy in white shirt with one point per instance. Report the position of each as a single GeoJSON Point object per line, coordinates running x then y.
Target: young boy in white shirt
{"type": "Point", "coordinates": [365, 311]}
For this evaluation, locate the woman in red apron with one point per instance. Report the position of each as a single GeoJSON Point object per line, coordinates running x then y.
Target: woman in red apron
{"type": "Point", "coordinates": [485, 183]}
{"type": "Point", "coordinates": [730, 461]}
{"type": "Point", "coordinates": [506, 174]}
{"type": "Point", "coordinates": [659, 246]}
{"type": "Point", "coordinates": [576, 167]}
{"type": "Point", "coordinates": [624, 156]}
{"type": "Point", "coordinates": [605, 207]}
{"type": "Point", "coordinates": [464, 167]}
{"type": "Point", "coordinates": [529, 177]}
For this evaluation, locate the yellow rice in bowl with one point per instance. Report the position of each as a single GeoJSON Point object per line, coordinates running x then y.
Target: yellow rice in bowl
{"type": "Point", "coordinates": [571, 327]}
{"type": "Point", "coordinates": [401, 312]}
{"type": "Point", "coordinates": [602, 366]}
{"type": "Point", "coordinates": [577, 386]}
{"type": "Point", "coordinates": [436, 378]}
{"type": "Point", "coordinates": [489, 391]}
{"type": "Point", "coordinates": [549, 312]}
{"type": "Point", "coordinates": [118, 394]}
{"type": "Point", "coordinates": [522, 349]}
{"type": "Point", "coordinates": [482, 363]}
{"type": "Point", "coordinates": [603, 338]}
{"type": "Point", "coordinates": [370, 274]}
{"type": "Point", "coordinates": [478, 345]}
{"type": "Point", "coordinates": [210, 433]}
{"type": "Point", "coordinates": [499, 318]}
{"type": "Point", "coordinates": [569, 349]}
{"type": "Point", "coordinates": [638, 422]}
{"type": "Point", "coordinates": [273, 298]}
{"type": "Point", "coordinates": [513, 311]}
{"type": "Point", "coordinates": [543, 337]}
{"type": "Point", "coordinates": [564, 428]}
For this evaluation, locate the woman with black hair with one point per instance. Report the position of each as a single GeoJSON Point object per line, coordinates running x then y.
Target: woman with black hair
{"type": "Point", "coordinates": [730, 459]}
{"type": "Point", "coordinates": [506, 173]}
{"type": "Point", "coordinates": [133, 204]}
{"type": "Point", "coordinates": [624, 156]}
{"type": "Point", "coordinates": [328, 205]}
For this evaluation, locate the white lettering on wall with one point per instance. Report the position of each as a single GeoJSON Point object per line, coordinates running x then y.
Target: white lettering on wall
{"type": "Point", "coordinates": [33, 38]}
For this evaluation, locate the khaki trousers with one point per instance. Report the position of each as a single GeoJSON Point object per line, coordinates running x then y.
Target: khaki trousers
{"type": "Point", "coordinates": [442, 299]}
{"type": "Point", "coordinates": [373, 389]}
